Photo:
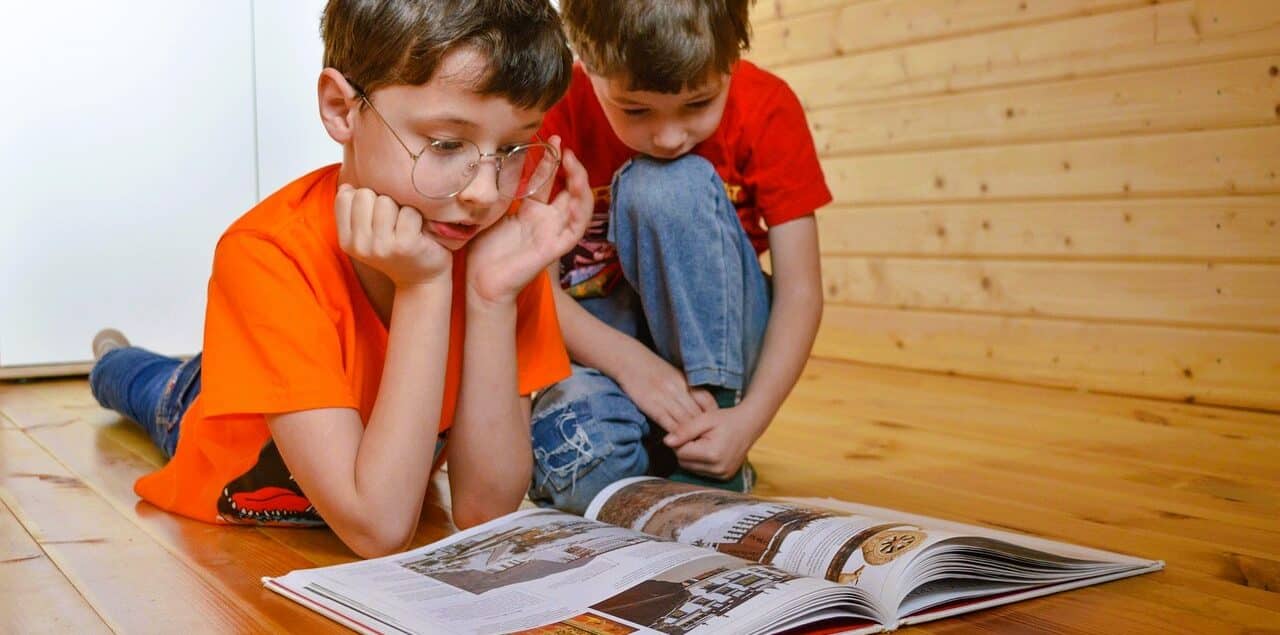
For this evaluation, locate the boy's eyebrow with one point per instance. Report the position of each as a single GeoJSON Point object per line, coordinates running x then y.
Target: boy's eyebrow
{"type": "Point", "coordinates": [466, 123]}
{"type": "Point", "coordinates": [701, 95]}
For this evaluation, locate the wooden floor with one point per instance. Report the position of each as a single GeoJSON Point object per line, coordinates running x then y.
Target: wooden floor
{"type": "Point", "coordinates": [1196, 486]}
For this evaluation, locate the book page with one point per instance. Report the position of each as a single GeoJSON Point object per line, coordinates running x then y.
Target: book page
{"type": "Point", "coordinates": [538, 569]}
{"type": "Point", "coordinates": [907, 562]}
{"type": "Point", "coordinates": [804, 540]}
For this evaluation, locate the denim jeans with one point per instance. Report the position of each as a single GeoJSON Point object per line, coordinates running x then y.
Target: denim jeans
{"type": "Point", "coordinates": [694, 294]}
{"type": "Point", "coordinates": [150, 389]}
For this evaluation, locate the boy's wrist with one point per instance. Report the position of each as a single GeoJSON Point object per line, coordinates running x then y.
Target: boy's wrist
{"type": "Point", "coordinates": [425, 288]}
{"type": "Point", "coordinates": [757, 413]}
{"type": "Point", "coordinates": [477, 301]}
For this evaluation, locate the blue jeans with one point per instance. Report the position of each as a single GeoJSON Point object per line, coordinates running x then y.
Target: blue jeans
{"type": "Point", "coordinates": [694, 294]}
{"type": "Point", "coordinates": [150, 389]}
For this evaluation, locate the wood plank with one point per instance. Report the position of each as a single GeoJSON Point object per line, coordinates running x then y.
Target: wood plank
{"type": "Point", "coordinates": [853, 28]}
{"type": "Point", "coordinates": [765, 11]}
{"type": "Point", "coordinates": [34, 595]}
{"type": "Point", "coordinates": [101, 552]}
{"type": "Point", "coordinates": [1216, 296]}
{"type": "Point", "coordinates": [1155, 37]}
{"type": "Point", "coordinates": [1217, 367]}
{"type": "Point", "coordinates": [860, 431]}
{"type": "Point", "coordinates": [1240, 161]}
{"type": "Point", "coordinates": [895, 484]}
{"type": "Point", "coordinates": [1217, 95]}
{"type": "Point", "coordinates": [1240, 228]}
{"type": "Point", "coordinates": [64, 416]}
{"type": "Point", "coordinates": [95, 445]}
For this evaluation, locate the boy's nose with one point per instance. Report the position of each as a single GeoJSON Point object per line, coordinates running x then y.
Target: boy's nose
{"type": "Point", "coordinates": [669, 139]}
{"type": "Point", "coordinates": [482, 192]}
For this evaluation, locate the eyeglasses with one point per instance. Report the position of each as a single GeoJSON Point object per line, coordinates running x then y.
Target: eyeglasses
{"type": "Point", "coordinates": [445, 167]}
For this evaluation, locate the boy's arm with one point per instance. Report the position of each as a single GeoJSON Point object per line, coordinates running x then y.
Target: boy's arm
{"type": "Point", "coordinates": [368, 482]}
{"type": "Point", "coordinates": [490, 454]}
{"type": "Point", "coordinates": [717, 442]}
{"type": "Point", "coordinates": [490, 457]}
{"type": "Point", "coordinates": [658, 389]}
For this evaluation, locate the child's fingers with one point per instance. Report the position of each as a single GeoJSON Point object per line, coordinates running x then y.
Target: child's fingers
{"type": "Point", "coordinates": [408, 226]}
{"type": "Point", "coordinates": [362, 219]}
{"type": "Point", "coordinates": [385, 214]}
{"type": "Point", "coordinates": [579, 188]}
{"type": "Point", "coordinates": [342, 214]}
{"type": "Point", "coordinates": [704, 399]}
{"type": "Point", "coordinates": [544, 190]}
{"type": "Point", "coordinates": [689, 431]}
{"type": "Point", "coordinates": [685, 407]}
{"type": "Point", "coordinates": [696, 455]}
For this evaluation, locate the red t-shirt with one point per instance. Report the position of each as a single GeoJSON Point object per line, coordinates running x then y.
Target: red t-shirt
{"type": "Point", "coordinates": [762, 150]}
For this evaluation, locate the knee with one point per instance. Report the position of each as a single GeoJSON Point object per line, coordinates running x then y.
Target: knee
{"type": "Point", "coordinates": [583, 440]}
{"type": "Point", "coordinates": [666, 193]}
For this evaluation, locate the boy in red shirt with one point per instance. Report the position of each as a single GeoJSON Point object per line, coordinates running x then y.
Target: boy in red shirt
{"type": "Point", "coordinates": [368, 308]}
{"type": "Point", "coordinates": [699, 162]}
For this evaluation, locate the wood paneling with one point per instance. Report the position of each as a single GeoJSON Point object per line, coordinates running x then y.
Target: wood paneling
{"type": "Point", "coordinates": [1208, 295]}
{"type": "Point", "coordinates": [1235, 93]}
{"type": "Point", "coordinates": [863, 26]}
{"type": "Point", "coordinates": [1209, 366]}
{"type": "Point", "coordinates": [1214, 162]}
{"type": "Point", "coordinates": [1078, 193]}
{"type": "Point", "coordinates": [1225, 229]}
{"type": "Point", "coordinates": [1157, 36]}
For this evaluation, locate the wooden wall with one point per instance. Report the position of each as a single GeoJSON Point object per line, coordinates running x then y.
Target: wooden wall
{"type": "Point", "coordinates": [1077, 193]}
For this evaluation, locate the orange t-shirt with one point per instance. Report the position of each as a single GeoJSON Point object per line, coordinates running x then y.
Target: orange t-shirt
{"type": "Point", "coordinates": [288, 327]}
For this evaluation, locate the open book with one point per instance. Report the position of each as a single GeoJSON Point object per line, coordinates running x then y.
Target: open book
{"type": "Point", "coordinates": [654, 556]}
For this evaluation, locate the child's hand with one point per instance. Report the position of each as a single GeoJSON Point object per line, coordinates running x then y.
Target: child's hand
{"type": "Point", "coordinates": [380, 233]}
{"type": "Point", "coordinates": [715, 443]}
{"type": "Point", "coordinates": [662, 393]}
{"type": "Point", "coordinates": [503, 259]}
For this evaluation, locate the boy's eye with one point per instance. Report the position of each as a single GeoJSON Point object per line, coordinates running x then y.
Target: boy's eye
{"type": "Point", "coordinates": [635, 112]}
{"type": "Point", "coordinates": [698, 105]}
{"type": "Point", "coordinates": [446, 146]}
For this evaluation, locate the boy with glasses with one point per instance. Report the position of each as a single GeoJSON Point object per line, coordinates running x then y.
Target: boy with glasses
{"type": "Point", "coordinates": [683, 351]}
{"type": "Point", "coordinates": [373, 314]}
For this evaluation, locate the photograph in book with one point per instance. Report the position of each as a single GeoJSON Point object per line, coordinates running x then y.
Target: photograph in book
{"type": "Point", "coordinates": [513, 556]}
{"type": "Point", "coordinates": [682, 599]}
{"type": "Point", "coordinates": [819, 543]}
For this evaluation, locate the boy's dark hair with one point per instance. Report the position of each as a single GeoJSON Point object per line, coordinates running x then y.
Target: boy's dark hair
{"type": "Point", "coordinates": [377, 43]}
{"type": "Point", "coordinates": [661, 46]}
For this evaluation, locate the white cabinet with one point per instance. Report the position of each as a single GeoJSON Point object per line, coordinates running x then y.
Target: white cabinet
{"type": "Point", "coordinates": [131, 139]}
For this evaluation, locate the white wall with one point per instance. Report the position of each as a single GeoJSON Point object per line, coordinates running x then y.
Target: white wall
{"type": "Point", "coordinates": [288, 57]}
{"type": "Point", "coordinates": [130, 140]}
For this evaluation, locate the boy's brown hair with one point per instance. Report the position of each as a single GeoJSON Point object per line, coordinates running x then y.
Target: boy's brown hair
{"type": "Point", "coordinates": [378, 43]}
{"type": "Point", "coordinates": [662, 46]}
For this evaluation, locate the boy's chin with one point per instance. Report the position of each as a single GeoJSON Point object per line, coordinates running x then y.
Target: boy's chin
{"type": "Point", "coordinates": [654, 153]}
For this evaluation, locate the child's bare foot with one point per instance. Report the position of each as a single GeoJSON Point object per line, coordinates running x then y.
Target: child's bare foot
{"type": "Point", "coordinates": [108, 340]}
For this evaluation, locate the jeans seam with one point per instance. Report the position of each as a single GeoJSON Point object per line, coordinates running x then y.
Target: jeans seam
{"type": "Point", "coordinates": [724, 286]}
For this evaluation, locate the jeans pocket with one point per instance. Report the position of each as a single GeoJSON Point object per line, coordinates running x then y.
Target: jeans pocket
{"type": "Point", "coordinates": [565, 450]}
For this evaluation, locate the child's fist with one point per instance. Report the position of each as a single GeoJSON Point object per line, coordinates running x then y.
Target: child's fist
{"type": "Point", "coordinates": [377, 231]}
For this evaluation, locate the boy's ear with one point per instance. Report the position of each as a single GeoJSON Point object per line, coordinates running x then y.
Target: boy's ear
{"type": "Point", "coordinates": [339, 104]}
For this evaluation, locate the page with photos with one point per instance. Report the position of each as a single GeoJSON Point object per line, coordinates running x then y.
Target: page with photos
{"type": "Point", "coordinates": [536, 569]}
{"type": "Point", "coordinates": [908, 563]}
